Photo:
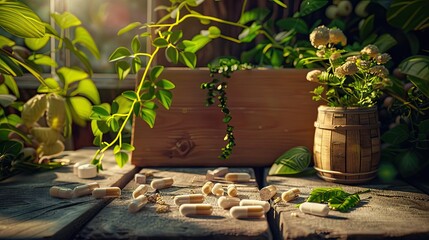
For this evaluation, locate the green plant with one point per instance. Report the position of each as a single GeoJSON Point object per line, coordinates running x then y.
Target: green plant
{"type": "Point", "coordinates": [64, 97]}
{"type": "Point", "coordinates": [350, 79]}
{"type": "Point", "coordinates": [336, 198]}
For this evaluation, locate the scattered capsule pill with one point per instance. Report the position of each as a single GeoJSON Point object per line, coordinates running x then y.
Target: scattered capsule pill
{"type": "Point", "coordinates": [247, 211]}
{"type": "Point", "coordinates": [87, 171]}
{"type": "Point", "coordinates": [76, 166]}
{"type": "Point", "coordinates": [268, 192]}
{"type": "Point", "coordinates": [290, 194]}
{"type": "Point", "coordinates": [60, 192]}
{"type": "Point", "coordinates": [217, 189]}
{"type": "Point", "coordinates": [140, 190]}
{"type": "Point", "coordinates": [220, 171]}
{"type": "Point", "coordinates": [237, 177]}
{"type": "Point", "coordinates": [251, 202]}
{"type": "Point", "coordinates": [162, 183]}
{"type": "Point", "coordinates": [85, 189]}
{"type": "Point", "coordinates": [228, 202]}
{"type": "Point", "coordinates": [106, 192]}
{"type": "Point", "coordinates": [207, 188]}
{"type": "Point", "coordinates": [189, 209]}
{"type": "Point", "coordinates": [232, 190]}
{"type": "Point", "coordinates": [137, 204]}
{"type": "Point", "coordinates": [188, 198]}
{"type": "Point", "coordinates": [140, 178]}
{"type": "Point", "coordinates": [318, 209]}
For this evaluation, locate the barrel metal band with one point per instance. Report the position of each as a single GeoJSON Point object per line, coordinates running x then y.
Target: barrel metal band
{"type": "Point", "coordinates": [345, 127]}
{"type": "Point", "coordinates": [345, 174]}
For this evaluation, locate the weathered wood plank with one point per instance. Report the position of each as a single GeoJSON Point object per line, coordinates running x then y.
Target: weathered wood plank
{"type": "Point", "coordinates": [114, 221]}
{"type": "Point", "coordinates": [28, 211]}
{"type": "Point", "coordinates": [395, 210]}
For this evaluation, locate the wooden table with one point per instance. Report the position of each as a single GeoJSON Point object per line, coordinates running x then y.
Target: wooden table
{"type": "Point", "coordinates": [28, 212]}
{"type": "Point", "coordinates": [395, 210]}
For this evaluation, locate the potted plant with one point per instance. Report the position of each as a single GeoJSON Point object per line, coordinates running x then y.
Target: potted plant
{"type": "Point", "coordinates": [347, 136]}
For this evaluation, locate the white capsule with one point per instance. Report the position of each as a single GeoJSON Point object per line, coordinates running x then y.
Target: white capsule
{"type": "Point", "coordinates": [220, 171]}
{"type": "Point", "coordinates": [251, 202]}
{"type": "Point", "coordinates": [188, 198]}
{"type": "Point", "coordinates": [162, 183]}
{"type": "Point", "coordinates": [247, 211]}
{"type": "Point", "coordinates": [189, 209]}
{"type": "Point", "coordinates": [140, 178]}
{"type": "Point", "coordinates": [87, 171]}
{"type": "Point", "coordinates": [217, 189]}
{"type": "Point", "coordinates": [290, 194]}
{"type": "Point", "coordinates": [207, 188]}
{"type": "Point", "coordinates": [268, 192]}
{"type": "Point", "coordinates": [60, 192]}
{"type": "Point", "coordinates": [76, 166]}
{"type": "Point", "coordinates": [106, 192]}
{"type": "Point", "coordinates": [237, 177]}
{"type": "Point", "coordinates": [318, 209]}
{"type": "Point", "coordinates": [137, 204]}
{"type": "Point", "coordinates": [232, 190]}
{"type": "Point", "coordinates": [85, 189]}
{"type": "Point", "coordinates": [140, 190]}
{"type": "Point", "coordinates": [228, 202]}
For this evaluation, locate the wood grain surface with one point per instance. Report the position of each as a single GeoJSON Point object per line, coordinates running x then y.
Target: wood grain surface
{"type": "Point", "coordinates": [115, 222]}
{"type": "Point", "coordinates": [28, 211]}
{"type": "Point", "coordinates": [396, 210]}
{"type": "Point", "coordinates": [272, 111]}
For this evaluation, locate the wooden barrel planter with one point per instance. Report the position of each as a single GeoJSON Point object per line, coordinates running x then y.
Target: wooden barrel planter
{"type": "Point", "coordinates": [347, 144]}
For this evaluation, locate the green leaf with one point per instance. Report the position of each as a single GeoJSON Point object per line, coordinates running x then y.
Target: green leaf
{"type": "Point", "coordinates": [10, 82]}
{"type": "Point", "coordinates": [410, 163]}
{"type": "Point", "coordinates": [197, 42]}
{"type": "Point", "coordinates": [51, 86]}
{"type": "Point", "coordinates": [344, 205]}
{"type": "Point", "coordinates": [120, 53]}
{"type": "Point", "coordinates": [165, 84]}
{"type": "Point", "coordinates": [19, 20]}
{"type": "Point", "coordinates": [9, 67]}
{"type": "Point", "coordinates": [129, 27]}
{"type": "Point", "coordinates": [296, 24]}
{"type": "Point", "coordinates": [12, 147]}
{"type": "Point", "coordinates": [114, 124]}
{"type": "Point", "coordinates": [293, 161]}
{"type": "Point", "coordinates": [160, 42]}
{"type": "Point", "coordinates": [385, 42]}
{"type": "Point", "coordinates": [81, 109]}
{"type": "Point", "coordinates": [171, 54]}
{"type": "Point", "coordinates": [37, 43]}
{"type": "Point", "coordinates": [123, 68]}
{"type": "Point", "coordinates": [121, 158]}
{"type": "Point", "coordinates": [41, 59]}
{"type": "Point", "coordinates": [130, 95]}
{"type": "Point", "coordinates": [250, 33]}
{"type": "Point", "coordinates": [256, 14]}
{"type": "Point", "coordinates": [189, 59]}
{"type": "Point", "coordinates": [66, 20]}
{"type": "Point", "coordinates": [6, 100]}
{"type": "Point", "coordinates": [84, 38]}
{"type": "Point", "coordinates": [127, 147]}
{"type": "Point", "coordinates": [175, 36]}
{"type": "Point", "coordinates": [99, 112]}
{"type": "Point", "coordinates": [310, 6]}
{"type": "Point", "coordinates": [367, 28]}
{"type": "Point", "coordinates": [136, 64]}
{"type": "Point", "coordinates": [135, 44]}
{"type": "Point", "coordinates": [280, 3]}
{"type": "Point", "coordinates": [149, 116]}
{"type": "Point", "coordinates": [71, 75]}
{"type": "Point", "coordinates": [214, 32]}
{"type": "Point", "coordinates": [116, 149]}
{"type": "Point", "coordinates": [165, 97]}
{"type": "Point", "coordinates": [396, 135]}
{"type": "Point", "coordinates": [417, 69]}
{"type": "Point", "coordinates": [408, 15]}
{"type": "Point", "coordinates": [155, 72]}
{"type": "Point", "coordinates": [88, 89]}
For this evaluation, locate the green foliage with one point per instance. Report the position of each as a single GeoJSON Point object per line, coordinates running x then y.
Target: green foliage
{"type": "Point", "coordinates": [293, 161]}
{"type": "Point", "coordinates": [336, 198]}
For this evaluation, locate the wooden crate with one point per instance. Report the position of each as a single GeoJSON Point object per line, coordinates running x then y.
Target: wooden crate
{"type": "Point", "coordinates": [272, 112]}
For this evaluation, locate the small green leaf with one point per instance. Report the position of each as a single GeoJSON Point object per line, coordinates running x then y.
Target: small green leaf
{"type": "Point", "coordinates": [293, 161]}
{"type": "Point", "coordinates": [121, 158]}
{"type": "Point", "coordinates": [130, 95]}
{"type": "Point", "coordinates": [136, 64]}
{"type": "Point", "coordinates": [84, 38]}
{"type": "Point", "coordinates": [175, 36]}
{"type": "Point", "coordinates": [396, 135]}
{"type": "Point", "coordinates": [214, 32]}
{"type": "Point", "coordinates": [165, 84]}
{"type": "Point", "coordinates": [135, 44]}
{"type": "Point", "coordinates": [129, 27]}
{"type": "Point", "coordinates": [156, 72]}
{"type": "Point", "coordinates": [136, 108]}
{"type": "Point", "coordinates": [189, 59]}
{"type": "Point", "coordinates": [116, 149]}
{"type": "Point", "coordinates": [120, 53]}
{"type": "Point", "coordinates": [171, 54]}
{"type": "Point", "coordinates": [71, 75]}
{"type": "Point", "coordinates": [160, 42]}
{"type": "Point", "coordinates": [123, 68]}
{"type": "Point", "coordinates": [41, 59]}
{"type": "Point", "coordinates": [310, 6]}
{"type": "Point", "coordinates": [256, 14]}
{"type": "Point", "coordinates": [81, 109]}
{"type": "Point", "coordinates": [127, 147]}
{"type": "Point", "coordinates": [19, 20]}
{"type": "Point", "coordinates": [114, 124]}
{"type": "Point", "coordinates": [165, 97]}
{"type": "Point", "coordinates": [100, 111]}
{"type": "Point", "coordinates": [66, 20]}
{"type": "Point", "coordinates": [149, 116]}
{"type": "Point", "coordinates": [88, 89]}
{"type": "Point", "coordinates": [37, 43]}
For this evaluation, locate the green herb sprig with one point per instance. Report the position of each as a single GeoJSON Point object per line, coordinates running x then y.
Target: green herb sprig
{"type": "Point", "coordinates": [336, 198]}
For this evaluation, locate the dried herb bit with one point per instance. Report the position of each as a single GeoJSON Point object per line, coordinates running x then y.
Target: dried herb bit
{"type": "Point", "coordinates": [336, 198]}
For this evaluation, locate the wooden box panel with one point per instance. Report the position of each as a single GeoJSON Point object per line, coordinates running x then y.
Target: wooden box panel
{"type": "Point", "coordinates": [272, 112]}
